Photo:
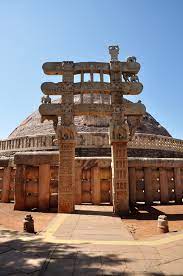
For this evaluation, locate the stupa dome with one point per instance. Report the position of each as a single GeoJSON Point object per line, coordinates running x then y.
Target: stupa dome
{"type": "Point", "coordinates": [32, 126]}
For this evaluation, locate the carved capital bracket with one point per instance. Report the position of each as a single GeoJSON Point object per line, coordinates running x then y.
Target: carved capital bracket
{"type": "Point", "coordinates": [66, 133]}
{"type": "Point", "coordinates": [119, 132]}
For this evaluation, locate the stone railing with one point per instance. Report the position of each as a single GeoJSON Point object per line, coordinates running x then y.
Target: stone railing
{"type": "Point", "coordinates": [151, 180]}
{"type": "Point", "coordinates": [148, 141]}
{"type": "Point", "coordinates": [91, 140]}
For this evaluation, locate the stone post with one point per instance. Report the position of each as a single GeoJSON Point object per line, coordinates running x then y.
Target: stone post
{"type": "Point", "coordinates": [148, 185]}
{"type": "Point", "coordinates": [132, 185]}
{"type": "Point", "coordinates": [78, 173]}
{"type": "Point", "coordinates": [6, 185]}
{"type": "Point", "coordinates": [96, 197]}
{"type": "Point", "coordinates": [44, 187]}
{"type": "Point", "coordinates": [178, 186]}
{"type": "Point", "coordinates": [20, 188]}
{"type": "Point", "coordinates": [163, 185]}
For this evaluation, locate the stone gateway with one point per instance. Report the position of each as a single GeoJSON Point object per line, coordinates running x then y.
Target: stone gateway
{"type": "Point", "coordinates": [123, 81]}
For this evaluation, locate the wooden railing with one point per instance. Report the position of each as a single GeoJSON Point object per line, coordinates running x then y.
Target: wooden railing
{"type": "Point", "coordinates": [90, 139]}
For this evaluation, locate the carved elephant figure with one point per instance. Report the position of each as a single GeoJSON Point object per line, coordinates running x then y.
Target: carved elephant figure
{"type": "Point", "coordinates": [66, 133]}
{"type": "Point", "coordinates": [120, 131]}
{"type": "Point", "coordinates": [131, 59]}
{"type": "Point", "coordinates": [134, 78]}
{"type": "Point", "coordinates": [46, 99]}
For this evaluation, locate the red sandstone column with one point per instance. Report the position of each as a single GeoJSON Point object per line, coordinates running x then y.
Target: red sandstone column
{"type": "Point", "coordinates": [163, 186]}
{"type": "Point", "coordinates": [132, 185]}
{"type": "Point", "coordinates": [95, 177]}
{"type": "Point", "coordinates": [6, 185]}
{"type": "Point", "coordinates": [78, 175]}
{"type": "Point", "coordinates": [44, 187]}
{"type": "Point", "coordinates": [178, 186]}
{"type": "Point", "coordinates": [148, 185]}
{"type": "Point", "coordinates": [120, 177]}
{"type": "Point", "coordinates": [19, 188]}
{"type": "Point", "coordinates": [66, 187]}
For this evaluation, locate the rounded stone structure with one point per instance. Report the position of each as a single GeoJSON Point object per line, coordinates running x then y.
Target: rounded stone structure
{"type": "Point", "coordinates": [32, 126]}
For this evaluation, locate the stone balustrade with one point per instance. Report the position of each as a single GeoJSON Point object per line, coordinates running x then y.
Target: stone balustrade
{"type": "Point", "coordinates": [92, 140]}
{"type": "Point", "coordinates": [151, 180]}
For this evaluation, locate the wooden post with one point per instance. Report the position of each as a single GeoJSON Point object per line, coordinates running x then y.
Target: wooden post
{"type": "Point", "coordinates": [132, 185]}
{"type": "Point", "coordinates": [95, 178]}
{"type": "Point", "coordinates": [6, 185]}
{"type": "Point", "coordinates": [178, 186]}
{"type": "Point", "coordinates": [44, 187]}
{"type": "Point", "coordinates": [20, 188]}
{"type": "Point", "coordinates": [148, 185]}
{"type": "Point", "coordinates": [163, 185]}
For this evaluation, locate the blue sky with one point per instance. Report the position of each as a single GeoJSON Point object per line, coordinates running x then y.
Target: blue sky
{"type": "Point", "coordinates": [35, 31]}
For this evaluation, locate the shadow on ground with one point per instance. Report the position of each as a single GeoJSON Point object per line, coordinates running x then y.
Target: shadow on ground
{"type": "Point", "coordinates": [147, 212]}
{"type": "Point", "coordinates": [35, 257]}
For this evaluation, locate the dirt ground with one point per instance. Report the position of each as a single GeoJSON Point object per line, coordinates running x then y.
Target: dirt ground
{"type": "Point", "coordinates": [142, 222]}
{"type": "Point", "coordinates": [11, 219]}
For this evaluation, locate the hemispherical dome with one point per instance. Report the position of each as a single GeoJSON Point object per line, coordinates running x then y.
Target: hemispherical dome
{"type": "Point", "coordinates": [32, 126]}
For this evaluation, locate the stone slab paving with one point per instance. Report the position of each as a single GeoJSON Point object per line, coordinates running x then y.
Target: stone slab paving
{"type": "Point", "coordinates": [49, 254]}
{"type": "Point", "coordinates": [93, 223]}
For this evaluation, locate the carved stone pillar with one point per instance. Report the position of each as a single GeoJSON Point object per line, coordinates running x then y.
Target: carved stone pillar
{"type": "Point", "coordinates": [66, 196]}
{"type": "Point", "coordinates": [120, 178]}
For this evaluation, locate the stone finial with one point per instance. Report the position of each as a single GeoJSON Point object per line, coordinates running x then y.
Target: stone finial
{"type": "Point", "coordinates": [114, 52]}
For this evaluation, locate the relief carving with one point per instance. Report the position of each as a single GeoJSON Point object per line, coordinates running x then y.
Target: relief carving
{"type": "Point", "coordinates": [46, 99]}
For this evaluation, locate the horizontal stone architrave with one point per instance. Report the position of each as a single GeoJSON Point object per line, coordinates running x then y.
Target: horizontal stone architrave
{"type": "Point", "coordinates": [57, 68]}
{"type": "Point", "coordinates": [36, 158]}
{"type": "Point", "coordinates": [91, 109]}
{"type": "Point", "coordinates": [126, 88]}
{"type": "Point", "coordinates": [52, 158]}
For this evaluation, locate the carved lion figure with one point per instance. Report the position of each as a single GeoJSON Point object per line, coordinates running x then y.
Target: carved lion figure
{"type": "Point", "coordinates": [46, 99]}
{"type": "Point", "coordinates": [131, 59]}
